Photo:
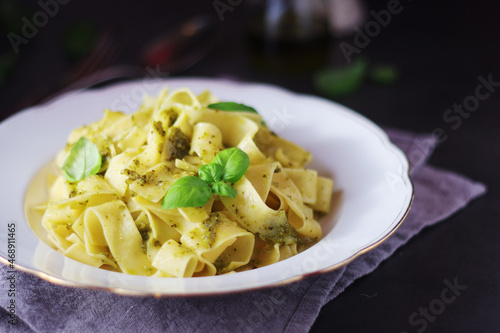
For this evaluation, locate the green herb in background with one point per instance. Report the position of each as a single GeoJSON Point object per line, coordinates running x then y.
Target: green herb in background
{"type": "Point", "coordinates": [384, 74]}
{"type": "Point", "coordinates": [341, 81]}
{"type": "Point", "coordinates": [7, 65]}
{"type": "Point", "coordinates": [190, 191]}
{"type": "Point", "coordinates": [83, 160]}
{"type": "Point", "coordinates": [11, 14]}
{"type": "Point", "coordinates": [231, 106]}
{"type": "Point", "coordinates": [79, 39]}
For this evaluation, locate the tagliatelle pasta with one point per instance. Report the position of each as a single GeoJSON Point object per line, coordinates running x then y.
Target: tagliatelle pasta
{"type": "Point", "coordinates": [114, 219]}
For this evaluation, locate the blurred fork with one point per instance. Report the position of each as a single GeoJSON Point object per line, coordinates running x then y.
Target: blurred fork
{"type": "Point", "coordinates": [173, 52]}
{"type": "Point", "coordinates": [102, 55]}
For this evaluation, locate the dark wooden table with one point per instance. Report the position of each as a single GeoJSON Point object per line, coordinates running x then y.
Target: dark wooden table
{"type": "Point", "coordinates": [441, 49]}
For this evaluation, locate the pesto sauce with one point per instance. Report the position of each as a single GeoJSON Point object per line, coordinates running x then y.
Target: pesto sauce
{"type": "Point", "coordinates": [283, 234]}
{"type": "Point", "coordinates": [179, 144]}
{"type": "Point", "coordinates": [134, 176]}
{"type": "Point", "coordinates": [210, 226]}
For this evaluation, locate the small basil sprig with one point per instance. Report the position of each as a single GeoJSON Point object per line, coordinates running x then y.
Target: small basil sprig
{"type": "Point", "coordinates": [215, 177]}
{"type": "Point", "coordinates": [235, 107]}
{"type": "Point", "coordinates": [231, 106]}
{"type": "Point", "coordinates": [384, 74]}
{"type": "Point", "coordinates": [83, 160]}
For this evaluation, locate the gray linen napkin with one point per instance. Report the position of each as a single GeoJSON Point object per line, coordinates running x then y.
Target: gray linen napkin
{"type": "Point", "coordinates": [43, 307]}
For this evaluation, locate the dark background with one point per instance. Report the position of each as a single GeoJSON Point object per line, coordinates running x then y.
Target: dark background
{"type": "Point", "coordinates": [440, 49]}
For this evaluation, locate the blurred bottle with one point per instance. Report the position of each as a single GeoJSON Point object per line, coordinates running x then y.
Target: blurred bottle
{"type": "Point", "coordinates": [344, 16]}
{"type": "Point", "coordinates": [287, 35]}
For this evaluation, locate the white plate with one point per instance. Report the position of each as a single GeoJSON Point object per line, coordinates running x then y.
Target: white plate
{"type": "Point", "coordinates": [369, 171]}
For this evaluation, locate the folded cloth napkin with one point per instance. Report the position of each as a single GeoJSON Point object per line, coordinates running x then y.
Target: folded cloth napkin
{"type": "Point", "coordinates": [43, 307]}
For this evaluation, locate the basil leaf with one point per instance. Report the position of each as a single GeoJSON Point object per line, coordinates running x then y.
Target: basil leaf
{"type": "Point", "coordinates": [79, 39]}
{"type": "Point", "coordinates": [189, 191]}
{"type": "Point", "coordinates": [231, 106]}
{"type": "Point", "coordinates": [224, 189]}
{"type": "Point", "coordinates": [7, 65]}
{"type": "Point", "coordinates": [83, 160]}
{"type": "Point", "coordinates": [234, 162]}
{"type": "Point", "coordinates": [210, 173]}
